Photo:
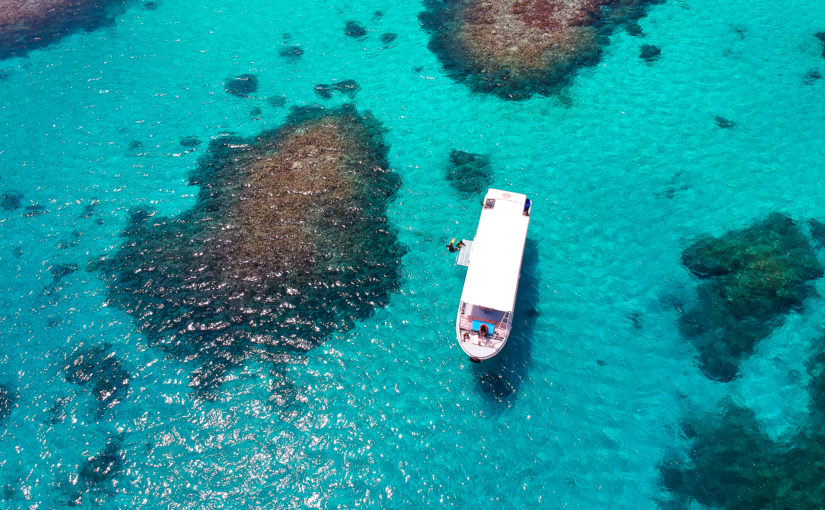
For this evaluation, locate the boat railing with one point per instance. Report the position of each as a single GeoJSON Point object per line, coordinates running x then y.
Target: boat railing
{"type": "Point", "coordinates": [500, 329]}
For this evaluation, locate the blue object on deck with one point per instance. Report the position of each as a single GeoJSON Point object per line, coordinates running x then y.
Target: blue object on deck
{"type": "Point", "coordinates": [491, 326]}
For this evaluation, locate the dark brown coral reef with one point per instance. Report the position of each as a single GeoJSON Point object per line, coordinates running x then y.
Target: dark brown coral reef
{"type": "Point", "coordinates": [515, 48]}
{"type": "Point", "coordinates": [29, 24]}
{"type": "Point", "coordinates": [288, 242]}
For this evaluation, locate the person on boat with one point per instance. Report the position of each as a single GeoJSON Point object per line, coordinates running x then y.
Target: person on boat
{"type": "Point", "coordinates": [483, 331]}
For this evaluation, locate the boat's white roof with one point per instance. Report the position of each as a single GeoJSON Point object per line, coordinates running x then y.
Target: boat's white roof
{"type": "Point", "coordinates": [495, 259]}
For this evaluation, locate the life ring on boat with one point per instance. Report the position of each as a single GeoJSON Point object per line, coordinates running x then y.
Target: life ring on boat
{"type": "Point", "coordinates": [483, 331]}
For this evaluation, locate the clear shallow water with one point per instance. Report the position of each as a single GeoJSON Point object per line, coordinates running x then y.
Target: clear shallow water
{"type": "Point", "coordinates": [624, 171]}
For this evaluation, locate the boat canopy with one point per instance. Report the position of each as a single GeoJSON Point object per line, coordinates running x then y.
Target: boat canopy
{"type": "Point", "coordinates": [495, 260]}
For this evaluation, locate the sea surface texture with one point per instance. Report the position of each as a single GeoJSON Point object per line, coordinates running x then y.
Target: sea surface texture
{"type": "Point", "coordinates": [223, 275]}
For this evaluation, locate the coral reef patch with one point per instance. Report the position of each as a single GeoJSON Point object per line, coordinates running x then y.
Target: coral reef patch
{"type": "Point", "coordinates": [751, 278]}
{"type": "Point", "coordinates": [34, 210]}
{"type": "Point", "coordinates": [733, 464]}
{"type": "Point", "coordinates": [517, 48]}
{"type": "Point", "coordinates": [354, 29]}
{"type": "Point", "coordinates": [469, 173]}
{"type": "Point", "coordinates": [189, 142]}
{"type": "Point", "coordinates": [11, 200]}
{"type": "Point", "coordinates": [348, 88]}
{"type": "Point", "coordinates": [649, 52]}
{"type": "Point", "coordinates": [99, 366]}
{"type": "Point", "coordinates": [102, 467]}
{"type": "Point", "coordinates": [821, 37]}
{"type": "Point", "coordinates": [724, 123]}
{"type": "Point", "coordinates": [241, 85]}
{"type": "Point", "coordinates": [276, 101]}
{"type": "Point", "coordinates": [26, 25]}
{"type": "Point", "coordinates": [6, 402]}
{"type": "Point", "coordinates": [291, 52]}
{"type": "Point", "coordinates": [811, 77]}
{"type": "Point", "coordinates": [60, 271]}
{"type": "Point", "coordinates": [287, 243]}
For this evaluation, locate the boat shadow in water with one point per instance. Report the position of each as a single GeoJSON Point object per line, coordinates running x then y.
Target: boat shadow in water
{"type": "Point", "coordinates": [499, 379]}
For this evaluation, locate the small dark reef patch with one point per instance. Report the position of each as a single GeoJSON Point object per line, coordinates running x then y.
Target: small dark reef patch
{"type": "Point", "coordinates": [190, 142]}
{"type": "Point", "coordinates": [102, 467]}
{"type": "Point", "coordinates": [241, 85]}
{"type": "Point", "coordinates": [288, 242]}
{"type": "Point", "coordinates": [348, 88]}
{"type": "Point", "coordinates": [354, 29]}
{"type": "Point", "coordinates": [7, 398]}
{"type": "Point", "coordinates": [99, 366]}
{"type": "Point", "coordinates": [291, 52]}
{"type": "Point", "coordinates": [11, 200]}
{"type": "Point", "coordinates": [821, 37]}
{"type": "Point", "coordinates": [811, 77]}
{"type": "Point", "coordinates": [649, 52]}
{"type": "Point", "coordinates": [724, 123]}
{"type": "Point", "coordinates": [469, 173]}
{"type": "Point", "coordinates": [517, 48]}
{"type": "Point", "coordinates": [750, 279]}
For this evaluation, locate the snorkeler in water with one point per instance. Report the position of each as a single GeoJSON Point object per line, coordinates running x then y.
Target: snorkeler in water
{"type": "Point", "coordinates": [453, 247]}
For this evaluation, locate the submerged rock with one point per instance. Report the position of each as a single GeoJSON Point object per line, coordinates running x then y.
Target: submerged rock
{"type": "Point", "coordinates": [751, 278]}
{"type": "Point", "coordinates": [189, 142]}
{"type": "Point", "coordinates": [724, 123]}
{"type": "Point", "coordinates": [649, 52]}
{"type": "Point", "coordinates": [821, 37]}
{"type": "Point", "coordinates": [103, 467]}
{"type": "Point", "coordinates": [276, 101]}
{"type": "Point", "coordinates": [241, 85]}
{"type": "Point", "coordinates": [816, 384]}
{"type": "Point", "coordinates": [291, 52]}
{"type": "Point", "coordinates": [347, 87]}
{"type": "Point", "coordinates": [811, 77]}
{"type": "Point", "coordinates": [323, 90]}
{"type": "Point", "coordinates": [88, 210]}
{"type": "Point", "coordinates": [99, 366]}
{"type": "Point", "coordinates": [354, 29]}
{"type": "Point", "coordinates": [11, 200]}
{"type": "Point", "coordinates": [733, 464]}
{"type": "Point", "coordinates": [7, 399]}
{"type": "Point", "coordinates": [516, 48]}
{"type": "Point", "coordinates": [287, 242]}
{"type": "Point", "coordinates": [60, 271]}
{"type": "Point", "coordinates": [469, 173]}
{"type": "Point", "coordinates": [34, 210]}
{"type": "Point", "coordinates": [817, 231]}
{"type": "Point", "coordinates": [388, 38]}
{"type": "Point", "coordinates": [26, 25]}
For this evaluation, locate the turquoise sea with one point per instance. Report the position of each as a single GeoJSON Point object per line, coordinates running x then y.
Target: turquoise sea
{"type": "Point", "coordinates": [625, 168]}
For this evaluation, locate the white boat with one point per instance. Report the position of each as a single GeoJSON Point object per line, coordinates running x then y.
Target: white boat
{"type": "Point", "coordinates": [493, 260]}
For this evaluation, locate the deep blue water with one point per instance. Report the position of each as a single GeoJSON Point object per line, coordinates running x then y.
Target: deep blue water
{"type": "Point", "coordinates": [624, 168]}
